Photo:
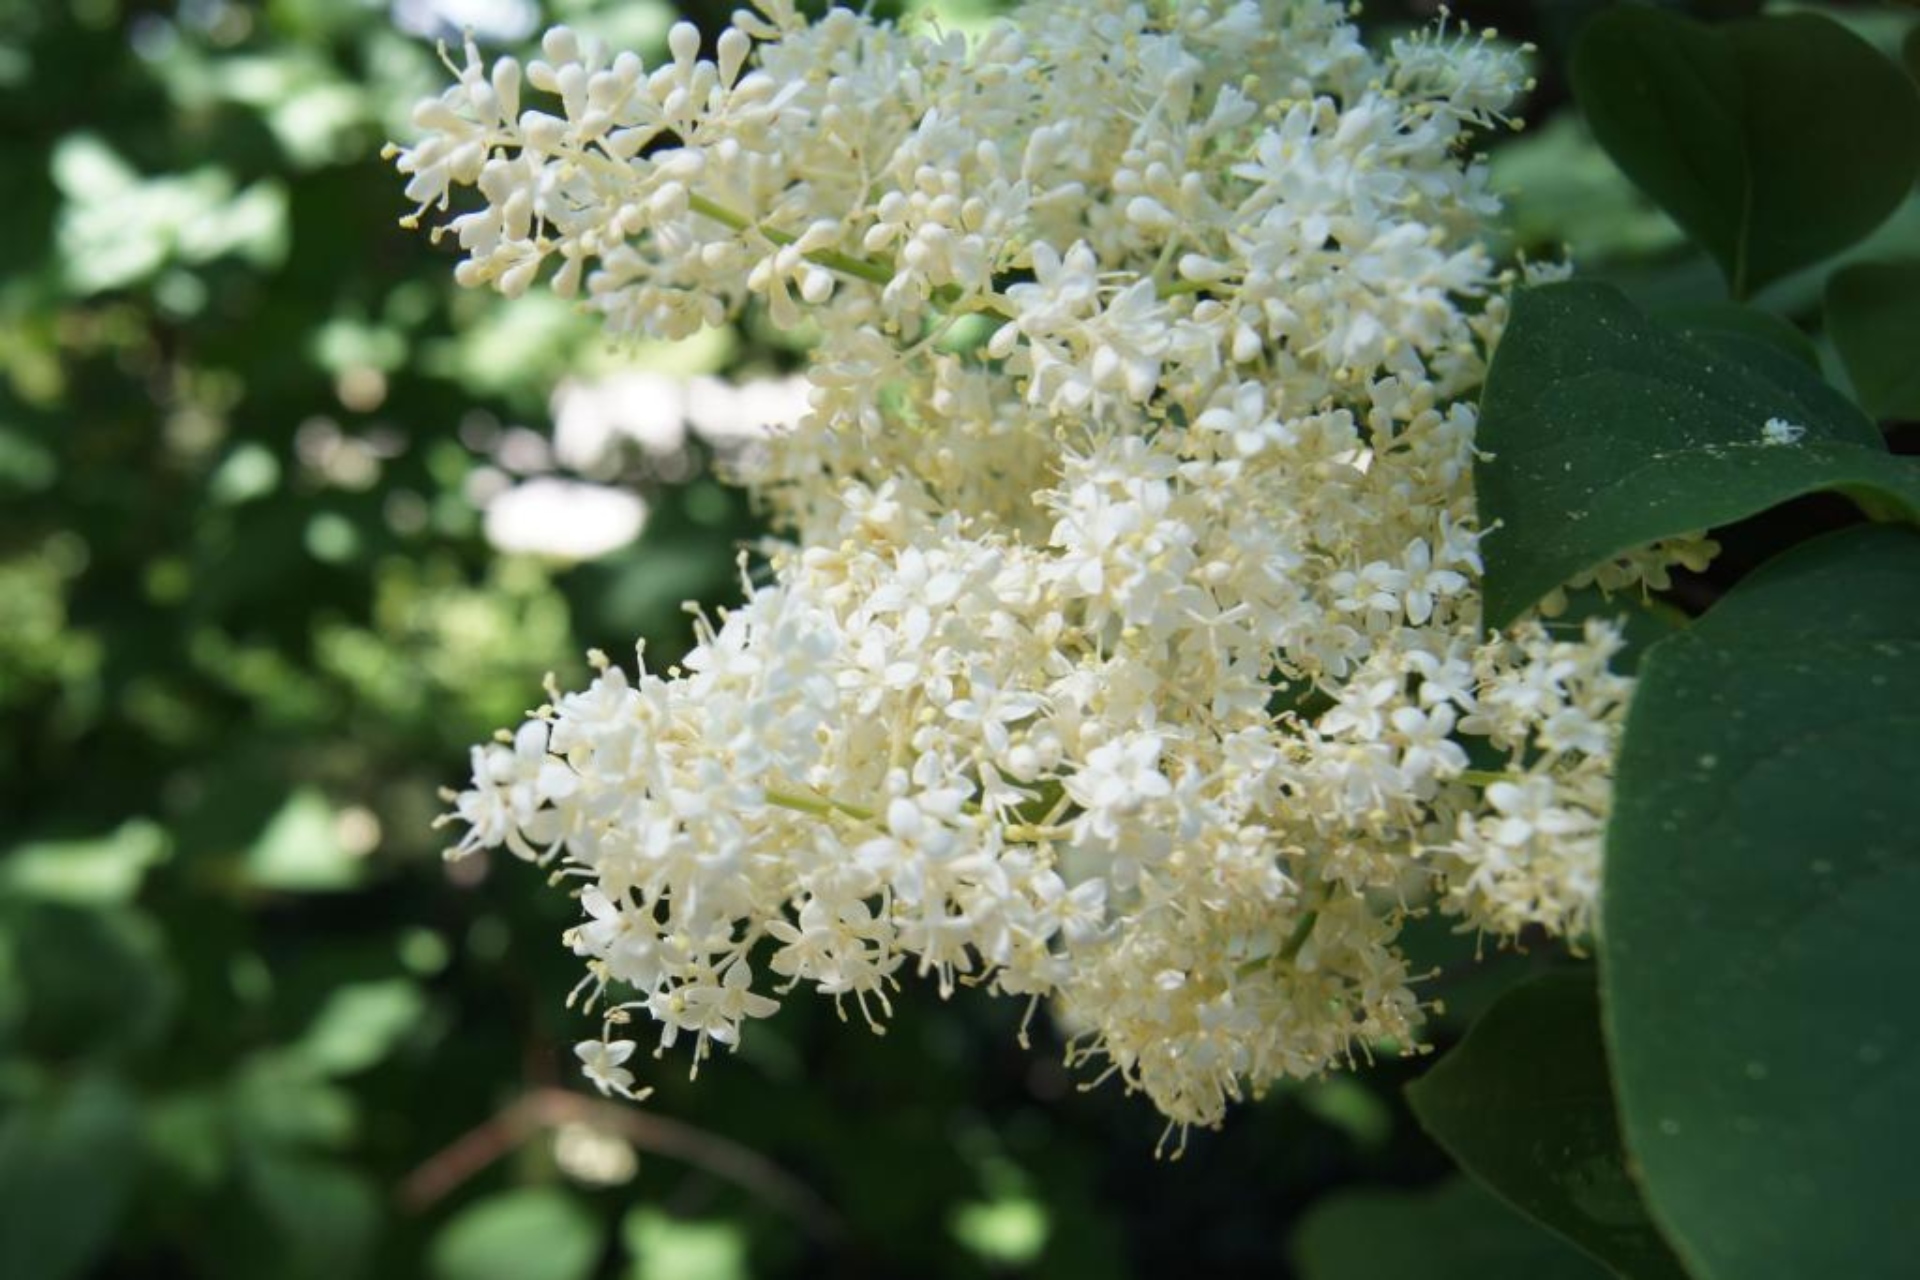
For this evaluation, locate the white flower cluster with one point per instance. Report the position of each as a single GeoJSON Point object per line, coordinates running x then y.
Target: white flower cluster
{"type": "Point", "coordinates": [1126, 647]}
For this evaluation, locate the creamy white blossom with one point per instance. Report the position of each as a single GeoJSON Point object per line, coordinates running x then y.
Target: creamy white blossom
{"type": "Point", "coordinates": [1123, 646]}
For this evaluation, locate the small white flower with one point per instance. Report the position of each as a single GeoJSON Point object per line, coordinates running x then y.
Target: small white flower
{"type": "Point", "coordinates": [600, 1062]}
{"type": "Point", "coordinates": [1123, 644]}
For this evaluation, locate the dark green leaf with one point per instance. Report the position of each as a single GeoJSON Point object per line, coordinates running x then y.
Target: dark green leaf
{"type": "Point", "coordinates": [1873, 317]}
{"type": "Point", "coordinates": [1762, 881]}
{"type": "Point", "coordinates": [94, 982]}
{"type": "Point", "coordinates": [1455, 1232]}
{"type": "Point", "coordinates": [1705, 319]}
{"type": "Point", "coordinates": [1525, 1105]}
{"type": "Point", "coordinates": [277, 1099]}
{"type": "Point", "coordinates": [1606, 432]}
{"type": "Point", "coordinates": [66, 1165]}
{"type": "Point", "coordinates": [296, 1218]}
{"type": "Point", "coordinates": [540, 1233]}
{"type": "Point", "coordinates": [1774, 141]}
{"type": "Point", "coordinates": [326, 1212]}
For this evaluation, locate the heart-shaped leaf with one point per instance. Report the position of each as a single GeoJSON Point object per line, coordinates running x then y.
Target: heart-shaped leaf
{"type": "Point", "coordinates": [1762, 879]}
{"type": "Point", "coordinates": [1775, 141]}
{"type": "Point", "coordinates": [1602, 431]}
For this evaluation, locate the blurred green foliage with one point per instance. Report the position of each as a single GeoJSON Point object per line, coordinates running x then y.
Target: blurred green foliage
{"type": "Point", "coordinates": [251, 1025]}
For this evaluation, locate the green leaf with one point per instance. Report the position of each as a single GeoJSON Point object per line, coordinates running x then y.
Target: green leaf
{"type": "Point", "coordinates": [1762, 880]}
{"type": "Point", "coordinates": [1602, 432]}
{"type": "Point", "coordinates": [66, 1167]}
{"type": "Point", "coordinates": [1524, 1104]}
{"type": "Point", "coordinates": [101, 871]}
{"type": "Point", "coordinates": [359, 1025]}
{"type": "Point", "coordinates": [324, 1214]}
{"type": "Point", "coordinates": [93, 983]}
{"type": "Point", "coordinates": [540, 1233]}
{"type": "Point", "coordinates": [1455, 1232]}
{"type": "Point", "coordinates": [275, 1099]}
{"type": "Point", "coordinates": [1564, 195]}
{"type": "Point", "coordinates": [1361, 1115]}
{"type": "Point", "coordinates": [292, 1217]}
{"type": "Point", "coordinates": [666, 1248]}
{"type": "Point", "coordinates": [1706, 319]}
{"type": "Point", "coordinates": [301, 850]}
{"type": "Point", "coordinates": [1873, 317]}
{"type": "Point", "coordinates": [1775, 141]}
{"type": "Point", "coordinates": [186, 1136]}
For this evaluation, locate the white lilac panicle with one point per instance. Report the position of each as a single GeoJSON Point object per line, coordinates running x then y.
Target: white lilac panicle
{"type": "Point", "coordinates": [1124, 648]}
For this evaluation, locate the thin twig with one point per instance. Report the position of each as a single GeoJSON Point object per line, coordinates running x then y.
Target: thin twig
{"type": "Point", "coordinates": [543, 1109]}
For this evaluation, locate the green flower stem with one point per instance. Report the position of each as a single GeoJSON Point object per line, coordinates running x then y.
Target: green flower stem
{"type": "Point", "coordinates": [831, 259]}
{"type": "Point", "coordinates": [818, 806]}
{"type": "Point", "coordinates": [827, 807]}
{"type": "Point", "coordinates": [1298, 938]}
{"type": "Point", "coordinates": [1289, 950]}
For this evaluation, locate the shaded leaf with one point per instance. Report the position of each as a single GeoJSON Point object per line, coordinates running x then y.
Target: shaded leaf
{"type": "Point", "coordinates": [1705, 319]}
{"type": "Point", "coordinates": [1602, 432]}
{"type": "Point", "coordinates": [1873, 317]}
{"type": "Point", "coordinates": [1775, 141]}
{"type": "Point", "coordinates": [275, 1099]}
{"type": "Point", "coordinates": [1455, 1232]}
{"type": "Point", "coordinates": [1524, 1104]}
{"type": "Point", "coordinates": [92, 983]}
{"type": "Point", "coordinates": [1762, 878]}
{"type": "Point", "coordinates": [66, 1167]}
{"type": "Point", "coordinates": [298, 1218]}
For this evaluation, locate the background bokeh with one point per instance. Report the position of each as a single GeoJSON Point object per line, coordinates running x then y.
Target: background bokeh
{"type": "Point", "coordinates": [286, 523]}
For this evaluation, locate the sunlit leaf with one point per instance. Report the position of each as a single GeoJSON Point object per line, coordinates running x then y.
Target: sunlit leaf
{"type": "Point", "coordinates": [360, 1024]}
{"type": "Point", "coordinates": [1009, 1230]}
{"type": "Point", "coordinates": [539, 1233]}
{"type": "Point", "coordinates": [301, 850]}
{"type": "Point", "coordinates": [666, 1248]}
{"type": "Point", "coordinates": [96, 872]}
